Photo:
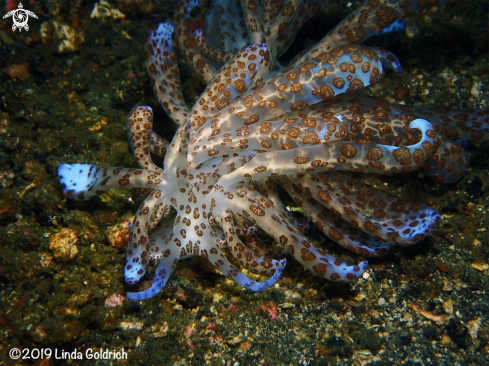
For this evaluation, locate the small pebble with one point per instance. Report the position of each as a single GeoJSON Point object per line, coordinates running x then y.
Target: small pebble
{"type": "Point", "coordinates": [114, 300]}
{"type": "Point", "coordinates": [480, 266]}
{"type": "Point", "coordinates": [448, 307]}
{"type": "Point", "coordinates": [473, 327]}
{"type": "Point", "coordinates": [63, 245]}
{"type": "Point", "coordinates": [131, 325]}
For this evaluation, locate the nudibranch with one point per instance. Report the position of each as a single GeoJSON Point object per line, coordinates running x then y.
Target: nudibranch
{"type": "Point", "coordinates": [259, 125]}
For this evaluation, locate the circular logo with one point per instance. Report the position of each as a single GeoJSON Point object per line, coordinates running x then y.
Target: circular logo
{"type": "Point", "coordinates": [20, 17]}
